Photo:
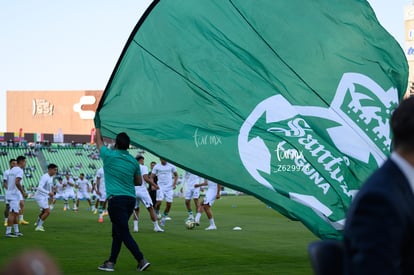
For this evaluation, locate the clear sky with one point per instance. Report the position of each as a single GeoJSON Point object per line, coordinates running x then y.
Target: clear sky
{"type": "Point", "coordinates": [75, 44]}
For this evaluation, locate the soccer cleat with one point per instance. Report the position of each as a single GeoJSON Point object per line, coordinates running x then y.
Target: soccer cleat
{"type": "Point", "coordinates": [95, 211]}
{"type": "Point", "coordinates": [162, 222]}
{"type": "Point", "coordinates": [105, 213]}
{"type": "Point", "coordinates": [23, 222]}
{"type": "Point", "coordinates": [158, 229]}
{"type": "Point", "coordinates": [10, 235]}
{"type": "Point", "coordinates": [167, 218]}
{"type": "Point", "coordinates": [18, 234]}
{"type": "Point", "coordinates": [40, 228]}
{"type": "Point", "coordinates": [5, 223]}
{"type": "Point", "coordinates": [64, 208]}
{"type": "Point", "coordinates": [143, 264]}
{"type": "Point", "coordinates": [135, 230]}
{"type": "Point", "coordinates": [107, 266]}
{"type": "Point", "coordinates": [100, 220]}
{"type": "Point", "coordinates": [211, 227]}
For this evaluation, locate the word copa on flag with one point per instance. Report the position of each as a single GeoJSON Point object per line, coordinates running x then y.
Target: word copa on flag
{"type": "Point", "coordinates": [288, 101]}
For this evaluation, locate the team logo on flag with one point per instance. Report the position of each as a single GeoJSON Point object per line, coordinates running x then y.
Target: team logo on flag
{"type": "Point", "coordinates": [319, 143]}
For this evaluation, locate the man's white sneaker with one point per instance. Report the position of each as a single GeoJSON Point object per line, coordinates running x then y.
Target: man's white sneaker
{"type": "Point", "coordinates": [158, 229]}
{"type": "Point", "coordinates": [167, 218]}
{"type": "Point", "coordinates": [211, 227]}
{"type": "Point", "coordinates": [39, 228]}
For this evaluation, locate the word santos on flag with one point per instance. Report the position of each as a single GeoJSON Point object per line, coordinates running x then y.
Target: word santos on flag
{"type": "Point", "coordinates": [288, 101]}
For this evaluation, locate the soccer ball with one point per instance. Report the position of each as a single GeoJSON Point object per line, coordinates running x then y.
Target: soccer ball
{"type": "Point", "coordinates": [189, 224]}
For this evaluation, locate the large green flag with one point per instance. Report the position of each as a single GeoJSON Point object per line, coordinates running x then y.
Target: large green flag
{"type": "Point", "coordinates": [288, 101]}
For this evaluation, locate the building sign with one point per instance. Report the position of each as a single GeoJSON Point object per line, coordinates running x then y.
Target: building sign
{"type": "Point", "coordinates": [409, 50]}
{"type": "Point", "coordinates": [42, 107]}
{"type": "Point", "coordinates": [47, 111]}
{"type": "Point", "coordinates": [85, 101]}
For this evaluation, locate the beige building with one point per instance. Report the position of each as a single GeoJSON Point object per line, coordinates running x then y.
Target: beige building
{"type": "Point", "coordinates": [66, 112]}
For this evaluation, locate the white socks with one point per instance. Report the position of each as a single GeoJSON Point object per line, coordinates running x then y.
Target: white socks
{"type": "Point", "coordinates": [197, 217]}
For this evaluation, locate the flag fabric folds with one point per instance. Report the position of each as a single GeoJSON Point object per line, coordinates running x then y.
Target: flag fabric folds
{"type": "Point", "coordinates": [288, 101]}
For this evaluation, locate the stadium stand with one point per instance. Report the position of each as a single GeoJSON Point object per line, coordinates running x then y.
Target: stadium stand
{"type": "Point", "coordinates": [33, 170]}
{"type": "Point", "coordinates": [70, 158]}
{"type": "Point", "coordinates": [74, 160]}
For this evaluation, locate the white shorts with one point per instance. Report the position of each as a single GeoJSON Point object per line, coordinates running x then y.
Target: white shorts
{"type": "Point", "coordinates": [42, 201]}
{"type": "Point", "coordinates": [84, 195]}
{"type": "Point", "coordinates": [210, 197]}
{"type": "Point", "coordinates": [70, 195]}
{"type": "Point", "coordinates": [165, 194]}
{"type": "Point", "coordinates": [102, 197]}
{"type": "Point", "coordinates": [143, 197]}
{"type": "Point", "coordinates": [59, 196]}
{"type": "Point", "coordinates": [192, 193]}
{"type": "Point", "coordinates": [14, 205]}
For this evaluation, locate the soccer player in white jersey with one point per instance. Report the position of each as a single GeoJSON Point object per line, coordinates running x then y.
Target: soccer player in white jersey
{"type": "Point", "coordinates": [68, 185]}
{"type": "Point", "coordinates": [45, 190]}
{"type": "Point", "coordinates": [60, 192]}
{"type": "Point", "coordinates": [13, 192]}
{"type": "Point", "coordinates": [213, 193]}
{"type": "Point", "coordinates": [12, 163]}
{"type": "Point", "coordinates": [143, 196]}
{"type": "Point", "coordinates": [191, 192]}
{"type": "Point", "coordinates": [84, 190]}
{"type": "Point", "coordinates": [101, 192]}
{"type": "Point", "coordinates": [165, 173]}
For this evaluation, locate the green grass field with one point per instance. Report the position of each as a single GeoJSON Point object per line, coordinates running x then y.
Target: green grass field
{"type": "Point", "coordinates": [267, 244]}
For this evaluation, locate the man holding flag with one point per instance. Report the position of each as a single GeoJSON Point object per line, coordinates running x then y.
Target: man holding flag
{"type": "Point", "coordinates": [122, 173]}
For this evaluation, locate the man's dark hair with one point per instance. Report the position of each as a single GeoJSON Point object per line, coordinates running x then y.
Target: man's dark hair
{"type": "Point", "coordinates": [11, 160]}
{"type": "Point", "coordinates": [153, 162]}
{"type": "Point", "coordinates": [20, 159]}
{"type": "Point", "coordinates": [402, 125]}
{"type": "Point", "coordinates": [51, 166]}
{"type": "Point", "coordinates": [139, 157]}
{"type": "Point", "coordinates": [122, 141]}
